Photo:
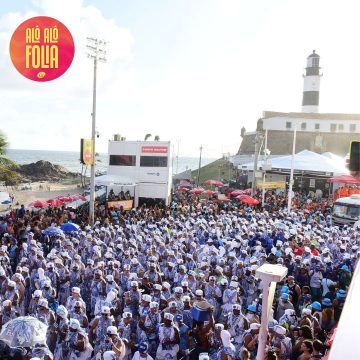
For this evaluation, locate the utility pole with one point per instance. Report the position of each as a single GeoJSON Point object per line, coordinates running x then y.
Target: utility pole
{"type": "Point", "coordinates": [198, 177]}
{"type": "Point", "coordinates": [291, 181]}
{"type": "Point", "coordinates": [177, 156]}
{"type": "Point", "coordinates": [264, 170]}
{"type": "Point", "coordinates": [96, 51]}
{"type": "Point", "coordinates": [258, 142]}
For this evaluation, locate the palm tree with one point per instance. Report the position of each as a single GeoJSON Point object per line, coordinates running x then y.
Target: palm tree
{"type": "Point", "coordinates": [156, 138]}
{"type": "Point", "coordinates": [147, 136]}
{"type": "Point", "coordinates": [7, 166]}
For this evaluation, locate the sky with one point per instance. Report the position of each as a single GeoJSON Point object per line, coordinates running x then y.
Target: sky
{"type": "Point", "coordinates": [193, 72]}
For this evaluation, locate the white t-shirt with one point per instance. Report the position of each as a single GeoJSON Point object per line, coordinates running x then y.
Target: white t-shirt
{"type": "Point", "coordinates": [138, 357]}
{"type": "Point", "coordinates": [325, 284]}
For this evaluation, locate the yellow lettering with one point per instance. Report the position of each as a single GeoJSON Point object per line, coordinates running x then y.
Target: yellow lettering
{"type": "Point", "coordinates": [37, 35]}
{"type": "Point", "coordinates": [46, 35]}
{"type": "Point", "coordinates": [54, 57]}
{"type": "Point", "coordinates": [28, 35]}
{"type": "Point", "coordinates": [55, 34]}
{"type": "Point", "coordinates": [35, 58]}
{"type": "Point", "coordinates": [27, 56]}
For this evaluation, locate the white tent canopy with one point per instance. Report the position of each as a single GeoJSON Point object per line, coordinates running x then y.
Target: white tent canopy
{"type": "Point", "coordinates": [114, 180]}
{"type": "Point", "coordinates": [304, 161]}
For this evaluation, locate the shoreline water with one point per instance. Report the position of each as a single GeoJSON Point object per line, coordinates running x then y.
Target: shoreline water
{"type": "Point", "coordinates": [70, 160]}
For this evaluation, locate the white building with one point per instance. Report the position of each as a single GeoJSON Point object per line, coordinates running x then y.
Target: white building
{"type": "Point", "coordinates": [318, 132]}
{"type": "Point", "coordinates": [146, 163]}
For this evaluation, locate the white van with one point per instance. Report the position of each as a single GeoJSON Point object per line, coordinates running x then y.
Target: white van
{"type": "Point", "coordinates": [346, 211]}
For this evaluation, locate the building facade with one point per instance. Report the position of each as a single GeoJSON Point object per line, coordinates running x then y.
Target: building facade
{"type": "Point", "coordinates": [318, 132]}
{"type": "Point", "coordinates": [147, 163]}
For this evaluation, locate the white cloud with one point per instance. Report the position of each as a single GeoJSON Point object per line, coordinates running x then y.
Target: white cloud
{"type": "Point", "coordinates": [60, 110]}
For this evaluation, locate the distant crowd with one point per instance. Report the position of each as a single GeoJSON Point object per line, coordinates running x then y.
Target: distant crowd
{"type": "Point", "coordinates": [127, 287]}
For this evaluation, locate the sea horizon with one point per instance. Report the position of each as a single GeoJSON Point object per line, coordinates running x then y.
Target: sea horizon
{"type": "Point", "coordinates": [71, 159]}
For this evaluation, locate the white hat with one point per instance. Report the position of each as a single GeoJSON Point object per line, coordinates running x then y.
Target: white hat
{"type": "Point", "coordinates": [236, 307]}
{"type": "Point", "coordinates": [127, 315]}
{"type": "Point", "coordinates": [109, 278]}
{"type": "Point", "coordinates": [157, 287]}
{"type": "Point", "coordinates": [134, 283]}
{"type": "Point", "coordinates": [173, 304]}
{"type": "Point", "coordinates": [74, 324]}
{"type": "Point", "coordinates": [178, 290]}
{"type": "Point", "coordinates": [44, 303]}
{"type": "Point", "coordinates": [219, 326]}
{"type": "Point", "coordinates": [306, 312]}
{"type": "Point", "coordinates": [199, 292]}
{"type": "Point", "coordinates": [146, 298]}
{"type": "Point", "coordinates": [75, 290]}
{"type": "Point", "coordinates": [279, 330]}
{"type": "Point", "coordinates": [111, 330]}
{"type": "Point", "coordinates": [105, 310]}
{"type": "Point", "coordinates": [6, 303]}
{"type": "Point", "coordinates": [166, 285]}
{"type": "Point", "coordinates": [153, 305]}
{"type": "Point", "coordinates": [169, 316]}
{"type": "Point", "coordinates": [11, 283]}
{"type": "Point", "coordinates": [254, 326]}
{"type": "Point", "coordinates": [37, 293]}
{"type": "Point", "coordinates": [62, 311]}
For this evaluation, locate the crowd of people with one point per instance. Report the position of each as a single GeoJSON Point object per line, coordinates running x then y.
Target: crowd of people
{"type": "Point", "coordinates": [125, 287]}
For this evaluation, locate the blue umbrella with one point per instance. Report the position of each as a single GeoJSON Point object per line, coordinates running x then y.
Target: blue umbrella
{"type": "Point", "coordinates": [6, 202]}
{"type": "Point", "coordinates": [70, 227]}
{"type": "Point", "coordinates": [51, 231]}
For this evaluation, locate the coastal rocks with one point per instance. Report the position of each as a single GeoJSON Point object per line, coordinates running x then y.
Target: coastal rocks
{"type": "Point", "coordinates": [45, 171]}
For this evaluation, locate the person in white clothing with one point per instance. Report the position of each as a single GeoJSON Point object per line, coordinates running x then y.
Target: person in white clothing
{"type": "Point", "coordinates": [142, 353]}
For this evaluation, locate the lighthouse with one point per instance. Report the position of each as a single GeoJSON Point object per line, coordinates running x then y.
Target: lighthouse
{"type": "Point", "coordinates": [310, 102]}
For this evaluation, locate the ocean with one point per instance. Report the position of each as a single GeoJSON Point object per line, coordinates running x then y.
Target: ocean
{"type": "Point", "coordinates": [70, 160]}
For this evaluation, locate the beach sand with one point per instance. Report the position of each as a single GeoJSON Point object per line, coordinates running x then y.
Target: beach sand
{"type": "Point", "coordinates": [48, 191]}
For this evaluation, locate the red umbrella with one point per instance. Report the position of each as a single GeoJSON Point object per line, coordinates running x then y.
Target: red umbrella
{"type": "Point", "coordinates": [79, 197]}
{"type": "Point", "coordinates": [247, 200]}
{"type": "Point", "coordinates": [65, 198]}
{"type": "Point", "coordinates": [242, 196]}
{"type": "Point", "coordinates": [247, 191]}
{"type": "Point", "coordinates": [213, 182]}
{"type": "Point", "coordinates": [237, 192]}
{"type": "Point", "coordinates": [182, 189]}
{"type": "Point", "coordinates": [39, 204]}
{"type": "Point", "coordinates": [184, 183]}
{"type": "Point", "coordinates": [55, 202]}
{"type": "Point", "coordinates": [210, 192]}
{"type": "Point", "coordinates": [344, 179]}
{"type": "Point", "coordinates": [197, 191]}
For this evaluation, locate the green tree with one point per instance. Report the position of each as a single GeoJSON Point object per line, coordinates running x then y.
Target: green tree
{"type": "Point", "coordinates": [147, 136]}
{"type": "Point", "coordinates": [7, 167]}
{"type": "Point", "coordinates": [156, 138]}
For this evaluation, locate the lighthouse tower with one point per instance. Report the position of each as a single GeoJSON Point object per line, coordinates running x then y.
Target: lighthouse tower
{"type": "Point", "coordinates": [310, 102]}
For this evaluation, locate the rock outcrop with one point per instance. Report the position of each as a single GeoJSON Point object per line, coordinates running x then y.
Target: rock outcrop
{"type": "Point", "coordinates": [45, 171]}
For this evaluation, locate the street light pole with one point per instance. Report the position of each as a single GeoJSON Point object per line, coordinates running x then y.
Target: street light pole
{"type": "Point", "coordinates": [198, 176]}
{"type": "Point", "coordinates": [97, 53]}
{"type": "Point", "coordinates": [291, 172]}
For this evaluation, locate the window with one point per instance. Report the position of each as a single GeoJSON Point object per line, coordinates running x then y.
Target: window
{"type": "Point", "coordinates": [315, 62]}
{"type": "Point", "coordinates": [317, 126]}
{"type": "Point", "coordinates": [352, 127]}
{"type": "Point", "coordinates": [341, 127]}
{"type": "Point", "coordinates": [288, 124]}
{"type": "Point", "coordinates": [122, 160]}
{"type": "Point", "coordinates": [303, 126]}
{"type": "Point", "coordinates": [332, 127]}
{"type": "Point", "coordinates": [153, 161]}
